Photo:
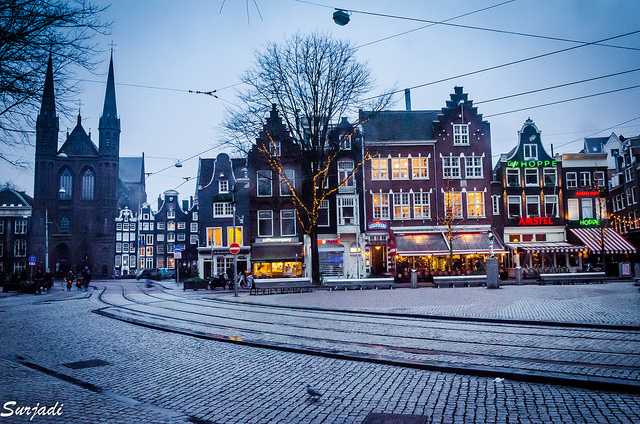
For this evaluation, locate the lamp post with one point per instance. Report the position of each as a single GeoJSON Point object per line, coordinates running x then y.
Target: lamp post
{"type": "Point", "coordinates": [492, 264]}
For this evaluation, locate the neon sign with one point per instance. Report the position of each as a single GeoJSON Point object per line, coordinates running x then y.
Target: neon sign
{"type": "Point", "coordinates": [591, 193]}
{"type": "Point", "coordinates": [589, 222]}
{"type": "Point", "coordinates": [531, 163]}
{"type": "Point", "coordinates": [378, 225]}
{"type": "Point", "coordinates": [536, 220]}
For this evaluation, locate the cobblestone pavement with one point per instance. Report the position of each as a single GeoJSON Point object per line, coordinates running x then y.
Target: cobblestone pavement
{"type": "Point", "coordinates": [155, 376]}
{"type": "Point", "coordinates": [612, 303]}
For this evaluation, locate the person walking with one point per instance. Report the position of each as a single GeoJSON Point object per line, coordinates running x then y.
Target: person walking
{"type": "Point", "coordinates": [70, 277]}
{"type": "Point", "coordinates": [86, 277]}
{"type": "Point", "coordinates": [250, 281]}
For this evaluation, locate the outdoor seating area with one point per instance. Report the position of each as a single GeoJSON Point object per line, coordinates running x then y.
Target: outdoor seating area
{"type": "Point", "coordinates": [358, 283]}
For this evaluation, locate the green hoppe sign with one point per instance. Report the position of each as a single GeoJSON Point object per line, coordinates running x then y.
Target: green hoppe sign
{"type": "Point", "coordinates": [589, 222]}
{"type": "Point", "coordinates": [531, 163]}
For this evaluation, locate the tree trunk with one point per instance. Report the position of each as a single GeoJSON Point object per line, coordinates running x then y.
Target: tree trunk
{"type": "Point", "coordinates": [315, 257]}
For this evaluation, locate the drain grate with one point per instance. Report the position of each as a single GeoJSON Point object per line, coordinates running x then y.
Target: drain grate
{"type": "Point", "coordinates": [91, 363]}
{"type": "Point", "coordinates": [373, 418]}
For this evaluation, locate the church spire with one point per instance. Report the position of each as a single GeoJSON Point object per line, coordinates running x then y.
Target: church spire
{"type": "Point", "coordinates": [109, 109]}
{"type": "Point", "coordinates": [48, 105]}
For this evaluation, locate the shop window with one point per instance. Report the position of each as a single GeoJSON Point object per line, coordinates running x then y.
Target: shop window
{"type": "Point", "coordinates": [347, 211]}
{"type": "Point", "coordinates": [238, 236]}
{"type": "Point", "coordinates": [473, 167]}
{"type": "Point", "coordinates": [265, 223]}
{"type": "Point", "coordinates": [290, 175]}
{"type": "Point", "coordinates": [514, 238]}
{"type": "Point", "coordinates": [323, 214]}
{"type": "Point", "coordinates": [573, 212]}
{"type": "Point", "coordinates": [475, 204]}
{"type": "Point", "coordinates": [514, 206]}
{"type": "Point", "coordinates": [287, 222]}
{"type": "Point", "coordinates": [399, 168]}
{"type": "Point", "coordinates": [453, 204]}
{"type": "Point", "coordinates": [401, 207]}
{"type": "Point", "coordinates": [420, 168]}
{"type": "Point", "coordinates": [380, 205]}
{"type": "Point", "coordinates": [421, 205]}
{"type": "Point", "coordinates": [530, 152]}
{"type": "Point", "coordinates": [331, 263]}
{"type": "Point", "coordinates": [264, 185]}
{"type": "Point", "coordinates": [551, 205]}
{"type": "Point", "coordinates": [460, 134]}
{"type": "Point", "coordinates": [527, 238]}
{"type": "Point", "coordinates": [572, 180]}
{"type": "Point", "coordinates": [513, 177]}
{"type": "Point", "coordinates": [214, 236]}
{"type": "Point", "coordinates": [451, 167]}
{"type": "Point", "coordinates": [541, 237]}
{"type": "Point", "coordinates": [379, 169]}
{"type": "Point", "coordinates": [550, 177]}
{"type": "Point", "coordinates": [533, 205]}
{"type": "Point", "coordinates": [587, 208]}
{"type": "Point", "coordinates": [531, 177]}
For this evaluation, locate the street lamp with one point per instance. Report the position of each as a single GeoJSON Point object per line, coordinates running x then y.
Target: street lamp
{"type": "Point", "coordinates": [341, 17]}
{"type": "Point", "coordinates": [490, 236]}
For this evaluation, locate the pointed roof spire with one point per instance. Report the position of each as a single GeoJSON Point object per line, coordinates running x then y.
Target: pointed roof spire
{"type": "Point", "coordinates": [109, 109]}
{"type": "Point", "coordinates": [48, 95]}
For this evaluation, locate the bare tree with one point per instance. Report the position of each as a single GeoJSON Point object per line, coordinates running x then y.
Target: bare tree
{"type": "Point", "coordinates": [30, 30]}
{"type": "Point", "coordinates": [313, 80]}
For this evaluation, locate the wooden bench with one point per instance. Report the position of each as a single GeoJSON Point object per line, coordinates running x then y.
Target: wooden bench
{"type": "Point", "coordinates": [281, 285]}
{"type": "Point", "coordinates": [573, 278]}
{"type": "Point", "coordinates": [460, 281]}
{"type": "Point", "coordinates": [358, 283]}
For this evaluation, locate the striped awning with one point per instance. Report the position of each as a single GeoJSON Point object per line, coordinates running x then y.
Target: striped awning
{"type": "Point", "coordinates": [546, 247]}
{"type": "Point", "coordinates": [594, 238]}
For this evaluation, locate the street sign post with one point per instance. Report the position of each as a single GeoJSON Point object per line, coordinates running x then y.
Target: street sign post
{"type": "Point", "coordinates": [177, 255]}
{"type": "Point", "coordinates": [234, 248]}
{"type": "Point", "coordinates": [32, 260]}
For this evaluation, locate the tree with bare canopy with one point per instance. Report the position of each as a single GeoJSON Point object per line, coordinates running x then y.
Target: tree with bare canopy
{"type": "Point", "coordinates": [31, 30]}
{"type": "Point", "coordinates": [313, 80]}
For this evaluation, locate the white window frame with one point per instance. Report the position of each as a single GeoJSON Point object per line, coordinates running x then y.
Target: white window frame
{"type": "Point", "coordinates": [547, 198]}
{"type": "Point", "coordinates": [345, 142]}
{"type": "Point", "coordinates": [193, 227]}
{"type": "Point", "coordinates": [378, 172]}
{"type": "Point", "coordinates": [345, 173]}
{"type": "Point", "coordinates": [537, 203]}
{"type": "Point", "coordinates": [476, 168]}
{"type": "Point", "coordinates": [448, 165]}
{"type": "Point", "coordinates": [20, 248]}
{"type": "Point", "coordinates": [401, 204]}
{"type": "Point", "coordinates": [295, 229]}
{"type": "Point", "coordinates": [148, 239]}
{"type": "Point", "coordinates": [530, 151]}
{"type": "Point", "coordinates": [193, 239]}
{"type": "Point", "coordinates": [20, 226]}
{"type": "Point", "coordinates": [572, 180]}
{"type": "Point", "coordinates": [495, 204]}
{"type": "Point", "coordinates": [346, 202]}
{"type": "Point", "coordinates": [264, 174]}
{"type": "Point", "coordinates": [455, 206]}
{"type": "Point", "coordinates": [549, 171]}
{"type": "Point", "coordinates": [159, 237]}
{"type": "Point", "coordinates": [509, 203]}
{"type": "Point", "coordinates": [599, 178]}
{"type": "Point", "coordinates": [573, 209]}
{"type": "Point", "coordinates": [400, 172]}
{"type": "Point", "coordinates": [460, 134]}
{"type": "Point", "coordinates": [270, 219]}
{"type": "Point", "coordinates": [382, 211]}
{"type": "Point", "coordinates": [420, 206]}
{"type": "Point", "coordinates": [586, 204]}
{"type": "Point", "coordinates": [510, 171]}
{"type": "Point", "coordinates": [290, 174]}
{"type": "Point", "coordinates": [471, 206]}
{"type": "Point", "coordinates": [223, 186]}
{"type": "Point", "coordinates": [529, 172]}
{"type": "Point", "coordinates": [585, 179]}
{"type": "Point", "coordinates": [171, 213]}
{"type": "Point", "coordinates": [421, 165]}
{"type": "Point", "coordinates": [628, 174]}
{"type": "Point", "coordinates": [222, 210]}
{"type": "Point", "coordinates": [324, 205]}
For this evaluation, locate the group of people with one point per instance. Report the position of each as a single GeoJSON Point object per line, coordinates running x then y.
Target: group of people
{"type": "Point", "coordinates": [82, 279]}
{"type": "Point", "coordinates": [244, 280]}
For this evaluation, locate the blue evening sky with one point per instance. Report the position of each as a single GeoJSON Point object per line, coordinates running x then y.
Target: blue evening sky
{"type": "Point", "coordinates": [190, 45]}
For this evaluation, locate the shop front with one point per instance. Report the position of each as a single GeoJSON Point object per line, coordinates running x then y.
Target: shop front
{"type": "Point", "coordinates": [605, 247]}
{"type": "Point", "coordinates": [213, 262]}
{"type": "Point", "coordinates": [442, 253]}
{"type": "Point", "coordinates": [277, 260]}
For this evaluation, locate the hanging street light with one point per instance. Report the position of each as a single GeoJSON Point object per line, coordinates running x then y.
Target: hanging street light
{"type": "Point", "coordinates": [341, 17]}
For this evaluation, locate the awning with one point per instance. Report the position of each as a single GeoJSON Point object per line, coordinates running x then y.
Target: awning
{"type": "Point", "coordinates": [437, 244]}
{"type": "Point", "coordinates": [546, 247]}
{"type": "Point", "coordinates": [594, 238]}
{"type": "Point", "coordinates": [276, 252]}
{"type": "Point", "coordinates": [421, 244]}
{"type": "Point", "coordinates": [475, 243]}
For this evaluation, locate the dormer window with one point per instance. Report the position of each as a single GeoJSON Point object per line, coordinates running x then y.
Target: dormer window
{"type": "Point", "coordinates": [460, 134]}
{"type": "Point", "coordinates": [223, 186]}
{"type": "Point", "coordinates": [345, 142]}
{"type": "Point", "coordinates": [171, 213]}
{"type": "Point", "coordinates": [530, 152]}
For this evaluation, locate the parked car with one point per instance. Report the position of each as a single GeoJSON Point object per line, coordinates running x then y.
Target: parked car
{"type": "Point", "coordinates": [151, 274]}
{"type": "Point", "coordinates": [167, 274]}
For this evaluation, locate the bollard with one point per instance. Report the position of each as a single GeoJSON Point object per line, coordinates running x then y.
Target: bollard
{"type": "Point", "coordinates": [414, 279]}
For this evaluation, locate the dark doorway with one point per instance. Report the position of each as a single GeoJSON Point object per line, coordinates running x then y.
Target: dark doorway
{"type": "Point", "coordinates": [378, 260]}
{"type": "Point", "coordinates": [61, 259]}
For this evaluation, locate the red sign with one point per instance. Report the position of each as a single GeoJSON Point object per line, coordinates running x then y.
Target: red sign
{"type": "Point", "coordinates": [592, 193]}
{"type": "Point", "coordinates": [536, 220]}
{"type": "Point", "coordinates": [234, 248]}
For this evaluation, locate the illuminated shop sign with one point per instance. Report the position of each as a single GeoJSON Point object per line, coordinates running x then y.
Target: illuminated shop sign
{"type": "Point", "coordinates": [536, 220]}
{"type": "Point", "coordinates": [589, 222]}
{"type": "Point", "coordinates": [587, 193]}
{"type": "Point", "coordinates": [377, 225]}
{"type": "Point", "coordinates": [531, 163]}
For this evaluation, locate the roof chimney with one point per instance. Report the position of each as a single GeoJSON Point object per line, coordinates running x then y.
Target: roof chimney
{"type": "Point", "coordinates": [407, 98]}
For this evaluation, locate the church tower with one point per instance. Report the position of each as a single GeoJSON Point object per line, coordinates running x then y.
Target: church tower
{"type": "Point", "coordinates": [109, 126]}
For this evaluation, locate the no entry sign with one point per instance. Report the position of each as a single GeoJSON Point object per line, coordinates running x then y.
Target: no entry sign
{"type": "Point", "coordinates": [234, 248]}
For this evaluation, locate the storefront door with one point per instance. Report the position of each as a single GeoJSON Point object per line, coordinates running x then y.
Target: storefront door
{"type": "Point", "coordinates": [378, 260]}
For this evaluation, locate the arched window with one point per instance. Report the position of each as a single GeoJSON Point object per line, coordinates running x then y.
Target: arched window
{"type": "Point", "coordinates": [88, 183]}
{"type": "Point", "coordinates": [65, 224]}
{"type": "Point", "coordinates": [65, 187]}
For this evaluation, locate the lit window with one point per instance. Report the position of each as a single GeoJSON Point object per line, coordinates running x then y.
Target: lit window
{"type": "Point", "coordinates": [171, 226]}
{"type": "Point", "coordinates": [475, 204]}
{"type": "Point", "coordinates": [223, 186]}
{"type": "Point", "coordinates": [214, 236]}
{"type": "Point", "coordinates": [399, 168]}
{"type": "Point", "coordinates": [601, 210]}
{"type": "Point", "coordinates": [345, 173]}
{"type": "Point", "coordinates": [401, 207]}
{"type": "Point", "coordinates": [530, 151]}
{"type": "Point", "coordinates": [380, 205]}
{"type": "Point", "coordinates": [419, 168]}
{"type": "Point", "coordinates": [287, 222]}
{"type": "Point", "coordinates": [514, 206]}
{"type": "Point", "coordinates": [451, 167]}
{"type": "Point", "coordinates": [264, 185]}
{"type": "Point", "coordinates": [238, 236]}
{"type": "Point", "coordinates": [290, 175]}
{"type": "Point", "coordinates": [473, 167]}
{"type": "Point", "coordinates": [587, 208]}
{"type": "Point", "coordinates": [531, 177]}
{"type": "Point", "coordinates": [421, 205]}
{"type": "Point", "coordinates": [88, 183]}
{"type": "Point", "coordinates": [453, 204]}
{"type": "Point", "coordinates": [323, 214]}
{"type": "Point", "coordinates": [347, 211]}
{"type": "Point", "coordinates": [533, 206]}
{"type": "Point", "coordinates": [460, 134]}
{"type": "Point", "coordinates": [379, 169]}
{"type": "Point", "coordinates": [265, 223]}
{"type": "Point", "coordinates": [573, 213]}
{"type": "Point", "coordinates": [149, 251]}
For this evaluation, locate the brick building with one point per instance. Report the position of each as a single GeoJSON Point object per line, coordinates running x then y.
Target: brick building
{"type": "Point", "coordinates": [15, 217]}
